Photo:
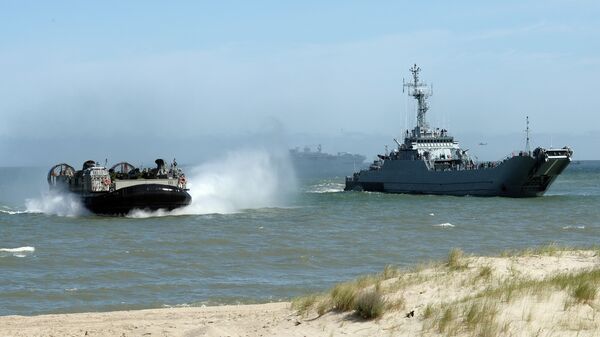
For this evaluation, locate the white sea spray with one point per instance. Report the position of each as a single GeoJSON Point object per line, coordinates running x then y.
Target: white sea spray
{"type": "Point", "coordinates": [59, 203]}
{"type": "Point", "coordinates": [243, 179]}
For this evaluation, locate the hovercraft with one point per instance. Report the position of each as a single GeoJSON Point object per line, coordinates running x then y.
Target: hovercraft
{"type": "Point", "coordinates": [123, 187]}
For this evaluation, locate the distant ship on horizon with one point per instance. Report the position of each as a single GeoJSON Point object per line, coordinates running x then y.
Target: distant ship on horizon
{"type": "Point", "coordinates": [309, 163]}
{"type": "Point", "coordinates": [430, 161]}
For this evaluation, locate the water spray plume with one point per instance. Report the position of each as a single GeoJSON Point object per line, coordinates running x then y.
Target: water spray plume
{"type": "Point", "coordinates": [60, 203]}
{"type": "Point", "coordinates": [242, 180]}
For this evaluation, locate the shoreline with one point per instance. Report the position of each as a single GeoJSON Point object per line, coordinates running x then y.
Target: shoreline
{"type": "Point", "coordinates": [545, 292]}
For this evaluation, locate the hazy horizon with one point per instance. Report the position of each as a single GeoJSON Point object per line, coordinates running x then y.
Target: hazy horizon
{"type": "Point", "coordinates": [140, 80]}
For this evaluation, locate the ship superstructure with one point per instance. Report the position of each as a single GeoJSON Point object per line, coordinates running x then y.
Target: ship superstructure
{"type": "Point", "coordinates": [430, 161]}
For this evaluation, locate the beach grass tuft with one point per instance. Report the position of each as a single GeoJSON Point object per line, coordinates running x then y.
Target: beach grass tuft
{"type": "Point", "coordinates": [363, 295]}
{"type": "Point", "coordinates": [456, 259]}
{"type": "Point", "coordinates": [303, 304]}
{"type": "Point", "coordinates": [445, 320]}
{"type": "Point", "coordinates": [389, 272]}
{"type": "Point", "coordinates": [343, 296]}
{"type": "Point", "coordinates": [429, 311]}
{"type": "Point", "coordinates": [480, 317]}
{"type": "Point", "coordinates": [370, 304]}
{"type": "Point", "coordinates": [485, 272]}
{"type": "Point", "coordinates": [584, 292]}
{"type": "Point", "coordinates": [324, 306]}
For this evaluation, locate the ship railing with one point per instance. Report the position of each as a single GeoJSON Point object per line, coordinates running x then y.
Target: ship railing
{"type": "Point", "coordinates": [517, 154]}
{"type": "Point", "coordinates": [464, 167]}
{"type": "Point", "coordinates": [485, 165]}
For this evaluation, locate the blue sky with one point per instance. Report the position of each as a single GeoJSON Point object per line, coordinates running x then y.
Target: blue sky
{"type": "Point", "coordinates": [317, 71]}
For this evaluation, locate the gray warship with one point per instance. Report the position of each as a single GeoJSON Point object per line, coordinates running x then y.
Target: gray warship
{"type": "Point", "coordinates": [318, 164]}
{"type": "Point", "coordinates": [430, 161]}
{"type": "Point", "coordinates": [123, 187]}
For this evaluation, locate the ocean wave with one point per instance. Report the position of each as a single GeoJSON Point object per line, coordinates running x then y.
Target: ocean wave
{"type": "Point", "coordinates": [17, 252]}
{"type": "Point", "coordinates": [574, 227]}
{"type": "Point", "coordinates": [445, 224]}
{"type": "Point", "coordinates": [182, 305]}
{"type": "Point", "coordinates": [326, 188]}
{"type": "Point", "coordinates": [13, 212]}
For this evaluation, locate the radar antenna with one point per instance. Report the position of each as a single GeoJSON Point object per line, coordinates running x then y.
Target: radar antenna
{"type": "Point", "coordinates": [527, 148]}
{"type": "Point", "coordinates": [419, 91]}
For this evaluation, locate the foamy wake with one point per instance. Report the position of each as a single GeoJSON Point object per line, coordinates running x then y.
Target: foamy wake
{"type": "Point", "coordinates": [56, 203]}
{"type": "Point", "coordinates": [445, 224]}
{"type": "Point", "coordinates": [240, 180]}
{"type": "Point", "coordinates": [17, 252]}
{"type": "Point", "coordinates": [5, 211]}
{"type": "Point", "coordinates": [574, 227]}
{"type": "Point", "coordinates": [142, 214]}
{"type": "Point", "coordinates": [328, 187]}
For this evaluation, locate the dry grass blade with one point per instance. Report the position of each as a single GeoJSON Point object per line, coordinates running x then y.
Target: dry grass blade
{"type": "Point", "coordinates": [584, 292]}
{"type": "Point", "coordinates": [370, 304]}
{"type": "Point", "coordinates": [343, 296]}
{"type": "Point", "coordinates": [456, 259]}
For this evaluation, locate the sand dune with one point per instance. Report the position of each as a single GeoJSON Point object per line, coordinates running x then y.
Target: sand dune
{"type": "Point", "coordinates": [537, 293]}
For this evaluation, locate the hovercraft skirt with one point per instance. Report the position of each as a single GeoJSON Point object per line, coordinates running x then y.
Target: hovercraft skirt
{"type": "Point", "coordinates": [147, 197]}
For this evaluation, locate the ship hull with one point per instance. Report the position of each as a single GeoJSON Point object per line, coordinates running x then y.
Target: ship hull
{"type": "Point", "coordinates": [519, 176]}
{"type": "Point", "coordinates": [146, 197]}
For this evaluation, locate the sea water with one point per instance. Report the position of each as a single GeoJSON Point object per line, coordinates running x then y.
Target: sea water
{"type": "Point", "coordinates": [255, 234]}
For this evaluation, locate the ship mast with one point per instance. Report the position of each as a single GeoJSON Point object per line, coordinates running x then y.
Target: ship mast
{"type": "Point", "coordinates": [527, 148]}
{"type": "Point", "coordinates": [419, 92]}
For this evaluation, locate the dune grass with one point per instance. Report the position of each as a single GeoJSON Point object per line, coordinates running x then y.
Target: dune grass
{"type": "Point", "coordinates": [343, 296]}
{"type": "Point", "coordinates": [485, 272]}
{"type": "Point", "coordinates": [477, 313]}
{"type": "Point", "coordinates": [550, 249]}
{"type": "Point", "coordinates": [480, 318]}
{"type": "Point", "coordinates": [584, 292]}
{"type": "Point", "coordinates": [429, 311]}
{"type": "Point", "coordinates": [363, 296]}
{"type": "Point", "coordinates": [456, 259]}
{"type": "Point", "coordinates": [476, 318]}
{"type": "Point", "coordinates": [371, 296]}
{"type": "Point", "coordinates": [446, 320]}
{"type": "Point", "coordinates": [303, 304]}
{"type": "Point", "coordinates": [370, 304]}
{"type": "Point", "coordinates": [581, 286]}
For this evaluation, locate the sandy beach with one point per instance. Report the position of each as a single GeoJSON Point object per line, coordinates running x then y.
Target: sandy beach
{"type": "Point", "coordinates": [545, 292]}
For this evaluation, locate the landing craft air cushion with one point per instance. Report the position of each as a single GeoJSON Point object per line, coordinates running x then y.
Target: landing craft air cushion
{"type": "Point", "coordinates": [123, 188]}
